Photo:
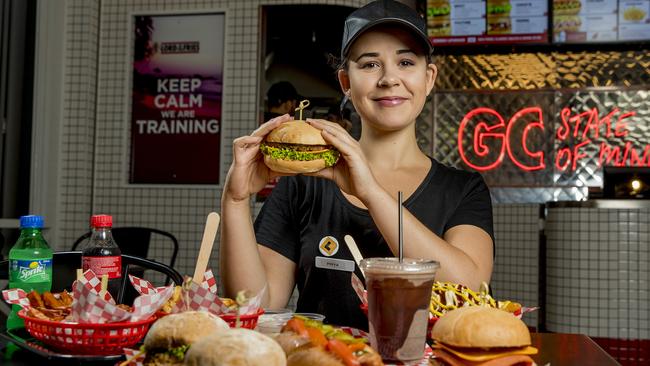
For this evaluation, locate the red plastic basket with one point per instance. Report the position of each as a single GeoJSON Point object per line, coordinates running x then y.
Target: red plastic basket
{"type": "Point", "coordinates": [87, 339]}
{"type": "Point", "coordinates": [245, 321]}
{"type": "Point", "coordinates": [432, 321]}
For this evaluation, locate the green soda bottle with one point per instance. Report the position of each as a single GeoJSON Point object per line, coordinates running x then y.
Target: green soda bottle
{"type": "Point", "coordinates": [30, 263]}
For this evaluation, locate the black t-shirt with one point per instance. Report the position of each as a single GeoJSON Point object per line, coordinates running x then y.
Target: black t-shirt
{"type": "Point", "coordinates": [306, 217]}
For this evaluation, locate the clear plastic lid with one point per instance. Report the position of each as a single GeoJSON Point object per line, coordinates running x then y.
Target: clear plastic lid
{"type": "Point", "coordinates": [408, 265]}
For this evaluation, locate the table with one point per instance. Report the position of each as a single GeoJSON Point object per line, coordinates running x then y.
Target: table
{"type": "Point", "coordinates": [560, 349]}
{"type": "Point", "coordinates": [555, 348]}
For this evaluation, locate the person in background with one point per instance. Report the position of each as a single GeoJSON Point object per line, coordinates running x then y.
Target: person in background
{"type": "Point", "coordinates": [281, 98]}
{"type": "Point", "coordinates": [334, 115]}
{"type": "Point", "coordinates": [387, 73]}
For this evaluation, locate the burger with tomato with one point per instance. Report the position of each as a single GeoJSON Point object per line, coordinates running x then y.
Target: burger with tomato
{"type": "Point", "coordinates": [310, 342]}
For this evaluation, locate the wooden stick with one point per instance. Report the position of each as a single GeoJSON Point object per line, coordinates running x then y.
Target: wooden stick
{"type": "Point", "coordinates": [104, 285]}
{"type": "Point", "coordinates": [209, 234]}
{"type": "Point", "coordinates": [129, 360]}
{"type": "Point", "coordinates": [352, 245]}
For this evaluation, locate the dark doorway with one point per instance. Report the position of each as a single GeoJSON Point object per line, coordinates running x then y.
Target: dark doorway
{"type": "Point", "coordinates": [298, 42]}
{"type": "Point", "coordinates": [17, 21]}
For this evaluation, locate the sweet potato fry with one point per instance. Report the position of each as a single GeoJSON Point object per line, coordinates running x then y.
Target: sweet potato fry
{"type": "Point", "coordinates": [55, 314]}
{"type": "Point", "coordinates": [66, 299]}
{"type": "Point", "coordinates": [51, 301]}
{"type": "Point", "coordinates": [35, 299]}
{"type": "Point", "coordinates": [35, 313]}
{"type": "Point", "coordinates": [125, 307]}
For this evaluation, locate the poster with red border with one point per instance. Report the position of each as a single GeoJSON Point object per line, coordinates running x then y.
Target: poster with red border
{"type": "Point", "coordinates": [176, 98]}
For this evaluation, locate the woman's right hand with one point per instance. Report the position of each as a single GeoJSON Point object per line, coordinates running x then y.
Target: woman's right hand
{"type": "Point", "coordinates": [248, 174]}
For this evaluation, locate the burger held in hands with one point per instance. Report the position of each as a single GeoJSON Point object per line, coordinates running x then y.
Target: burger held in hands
{"type": "Point", "coordinates": [296, 147]}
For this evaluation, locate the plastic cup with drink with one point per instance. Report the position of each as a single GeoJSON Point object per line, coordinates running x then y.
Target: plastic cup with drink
{"type": "Point", "coordinates": [399, 293]}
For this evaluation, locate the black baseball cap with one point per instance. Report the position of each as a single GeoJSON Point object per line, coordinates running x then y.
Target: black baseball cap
{"type": "Point", "coordinates": [383, 12]}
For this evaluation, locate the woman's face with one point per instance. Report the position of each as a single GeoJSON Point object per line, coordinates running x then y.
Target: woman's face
{"type": "Point", "coordinates": [388, 77]}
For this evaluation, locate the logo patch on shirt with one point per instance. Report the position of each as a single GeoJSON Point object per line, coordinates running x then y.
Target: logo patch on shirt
{"type": "Point", "coordinates": [328, 246]}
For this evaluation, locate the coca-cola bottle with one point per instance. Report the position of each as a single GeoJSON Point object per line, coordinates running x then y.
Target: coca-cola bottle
{"type": "Point", "coordinates": [101, 254]}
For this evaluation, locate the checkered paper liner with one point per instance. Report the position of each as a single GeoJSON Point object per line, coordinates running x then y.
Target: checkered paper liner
{"type": "Point", "coordinates": [201, 297]}
{"type": "Point", "coordinates": [16, 297]}
{"type": "Point", "coordinates": [135, 357]}
{"type": "Point", "coordinates": [94, 284]}
{"type": "Point", "coordinates": [89, 306]}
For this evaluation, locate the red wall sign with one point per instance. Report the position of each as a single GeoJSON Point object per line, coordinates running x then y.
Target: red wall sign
{"type": "Point", "coordinates": [492, 140]}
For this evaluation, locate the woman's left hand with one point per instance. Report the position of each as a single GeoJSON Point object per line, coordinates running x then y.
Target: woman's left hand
{"type": "Point", "coordinates": [351, 173]}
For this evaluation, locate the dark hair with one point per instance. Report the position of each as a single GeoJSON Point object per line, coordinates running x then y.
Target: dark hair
{"type": "Point", "coordinates": [281, 92]}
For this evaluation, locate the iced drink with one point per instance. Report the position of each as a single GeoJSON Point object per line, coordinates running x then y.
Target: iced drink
{"type": "Point", "coordinates": [398, 305]}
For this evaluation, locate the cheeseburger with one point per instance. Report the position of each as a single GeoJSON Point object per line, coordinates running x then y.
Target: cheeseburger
{"type": "Point", "coordinates": [171, 336]}
{"type": "Point", "coordinates": [481, 335]}
{"type": "Point", "coordinates": [297, 147]}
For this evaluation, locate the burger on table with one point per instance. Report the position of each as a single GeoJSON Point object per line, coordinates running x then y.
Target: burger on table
{"type": "Point", "coordinates": [481, 336]}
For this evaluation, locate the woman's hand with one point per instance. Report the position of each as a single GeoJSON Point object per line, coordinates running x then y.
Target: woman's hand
{"type": "Point", "coordinates": [351, 173]}
{"type": "Point", "coordinates": [248, 174]}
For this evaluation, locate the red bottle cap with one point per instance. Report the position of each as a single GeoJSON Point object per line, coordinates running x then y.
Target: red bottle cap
{"type": "Point", "coordinates": [101, 221]}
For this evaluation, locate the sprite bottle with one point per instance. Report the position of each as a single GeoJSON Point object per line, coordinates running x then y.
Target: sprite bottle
{"type": "Point", "coordinates": [30, 263]}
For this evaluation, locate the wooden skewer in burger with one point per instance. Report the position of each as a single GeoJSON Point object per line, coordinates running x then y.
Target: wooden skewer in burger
{"type": "Point", "coordinates": [297, 147]}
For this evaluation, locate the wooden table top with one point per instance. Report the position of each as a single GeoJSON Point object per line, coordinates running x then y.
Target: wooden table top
{"type": "Point", "coordinates": [561, 349]}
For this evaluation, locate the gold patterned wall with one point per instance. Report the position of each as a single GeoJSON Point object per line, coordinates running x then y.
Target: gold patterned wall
{"type": "Point", "coordinates": [583, 80]}
{"type": "Point", "coordinates": [554, 70]}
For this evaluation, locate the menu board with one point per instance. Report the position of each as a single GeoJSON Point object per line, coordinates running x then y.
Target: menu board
{"type": "Point", "coordinates": [458, 22]}
{"type": "Point", "coordinates": [585, 21]}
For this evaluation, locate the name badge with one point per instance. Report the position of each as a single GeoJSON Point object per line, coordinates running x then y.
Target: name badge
{"type": "Point", "coordinates": [335, 264]}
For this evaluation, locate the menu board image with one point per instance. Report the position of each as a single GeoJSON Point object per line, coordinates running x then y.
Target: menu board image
{"type": "Point", "coordinates": [467, 27]}
{"type": "Point", "coordinates": [634, 21]}
{"type": "Point", "coordinates": [457, 22]}
{"type": "Point", "coordinates": [585, 21]}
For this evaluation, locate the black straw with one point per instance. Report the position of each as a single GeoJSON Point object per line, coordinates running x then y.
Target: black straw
{"type": "Point", "coordinates": [400, 227]}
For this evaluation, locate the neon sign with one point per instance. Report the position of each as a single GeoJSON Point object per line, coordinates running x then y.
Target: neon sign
{"type": "Point", "coordinates": [489, 142]}
{"type": "Point", "coordinates": [502, 134]}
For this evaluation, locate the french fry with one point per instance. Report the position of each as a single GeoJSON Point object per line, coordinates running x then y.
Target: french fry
{"type": "Point", "coordinates": [35, 299]}
{"type": "Point", "coordinates": [51, 301]}
{"type": "Point", "coordinates": [66, 299]}
{"type": "Point", "coordinates": [169, 305]}
{"type": "Point", "coordinates": [35, 313]}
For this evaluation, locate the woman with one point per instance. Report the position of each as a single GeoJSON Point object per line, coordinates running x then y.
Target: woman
{"type": "Point", "coordinates": [387, 74]}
